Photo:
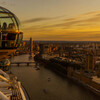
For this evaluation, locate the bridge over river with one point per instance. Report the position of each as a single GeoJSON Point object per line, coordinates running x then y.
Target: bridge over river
{"type": "Point", "coordinates": [21, 63]}
{"type": "Point", "coordinates": [45, 84]}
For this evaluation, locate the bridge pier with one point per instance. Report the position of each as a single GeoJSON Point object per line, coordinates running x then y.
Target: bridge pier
{"type": "Point", "coordinates": [17, 64]}
{"type": "Point", "coordinates": [27, 64]}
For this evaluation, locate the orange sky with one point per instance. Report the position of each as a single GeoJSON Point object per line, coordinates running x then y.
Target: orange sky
{"type": "Point", "coordinates": [65, 20]}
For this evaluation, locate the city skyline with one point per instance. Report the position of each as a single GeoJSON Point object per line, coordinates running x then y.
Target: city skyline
{"type": "Point", "coordinates": [59, 20]}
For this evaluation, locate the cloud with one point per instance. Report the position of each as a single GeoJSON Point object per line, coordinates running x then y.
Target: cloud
{"type": "Point", "coordinates": [36, 20]}
{"type": "Point", "coordinates": [82, 21]}
{"type": "Point", "coordinates": [83, 15]}
{"type": "Point", "coordinates": [87, 19]}
{"type": "Point", "coordinates": [90, 13]}
{"type": "Point", "coordinates": [39, 19]}
{"type": "Point", "coordinates": [67, 29]}
{"type": "Point", "coordinates": [58, 32]}
{"type": "Point", "coordinates": [3, 3]}
{"type": "Point", "coordinates": [12, 4]}
{"type": "Point", "coordinates": [78, 36]}
{"type": "Point", "coordinates": [68, 36]}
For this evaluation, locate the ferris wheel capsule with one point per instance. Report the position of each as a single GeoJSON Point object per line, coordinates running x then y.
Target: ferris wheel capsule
{"type": "Point", "coordinates": [10, 30]}
{"type": "Point", "coordinates": [11, 34]}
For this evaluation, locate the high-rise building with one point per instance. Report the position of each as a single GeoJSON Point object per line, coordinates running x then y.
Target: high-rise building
{"type": "Point", "coordinates": [90, 65]}
{"type": "Point", "coordinates": [31, 46]}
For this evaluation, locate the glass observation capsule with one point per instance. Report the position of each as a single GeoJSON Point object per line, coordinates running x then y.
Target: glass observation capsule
{"type": "Point", "coordinates": [10, 30]}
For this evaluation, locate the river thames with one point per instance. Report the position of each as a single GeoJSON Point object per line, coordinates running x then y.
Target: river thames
{"type": "Point", "coordinates": [45, 84]}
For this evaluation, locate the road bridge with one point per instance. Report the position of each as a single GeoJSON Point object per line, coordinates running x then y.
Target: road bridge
{"type": "Point", "coordinates": [18, 63]}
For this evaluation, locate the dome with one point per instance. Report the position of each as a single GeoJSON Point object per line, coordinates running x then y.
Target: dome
{"type": "Point", "coordinates": [9, 21]}
{"type": "Point", "coordinates": [10, 29]}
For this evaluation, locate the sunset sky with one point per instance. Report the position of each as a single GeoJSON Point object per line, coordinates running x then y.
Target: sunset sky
{"type": "Point", "coordinates": [59, 20]}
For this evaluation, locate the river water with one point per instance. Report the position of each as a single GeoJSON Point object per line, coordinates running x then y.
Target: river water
{"type": "Point", "coordinates": [45, 84]}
